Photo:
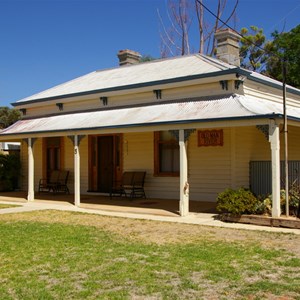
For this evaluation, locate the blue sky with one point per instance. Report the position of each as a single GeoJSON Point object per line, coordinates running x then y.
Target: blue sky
{"type": "Point", "coordinates": [48, 42]}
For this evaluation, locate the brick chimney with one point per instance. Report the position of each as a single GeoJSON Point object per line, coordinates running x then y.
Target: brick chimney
{"type": "Point", "coordinates": [228, 48]}
{"type": "Point", "coordinates": [128, 57]}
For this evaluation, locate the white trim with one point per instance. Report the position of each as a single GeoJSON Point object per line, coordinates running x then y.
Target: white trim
{"type": "Point", "coordinates": [76, 172]}
{"type": "Point", "coordinates": [275, 156]}
{"type": "Point", "coordinates": [233, 158]}
{"type": "Point", "coordinates": [30, 196]}
{"type": "Point", "coordinates": [184, 185]}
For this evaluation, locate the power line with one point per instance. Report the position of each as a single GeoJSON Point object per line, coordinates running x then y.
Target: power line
{"type": "Point", "coordinates": [284, 18]}
{"type": "Point", "coordinates": [244, 37]}
{"type": "Point", "coordinates": [284, 104]}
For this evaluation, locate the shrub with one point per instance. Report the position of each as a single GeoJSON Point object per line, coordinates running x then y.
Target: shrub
{"type": "Point", "coordinates": [294, 196]}
{"type": "Point", "coordinates": [237, 202]}
{"type": "Point", "coordinates": [10, 167]}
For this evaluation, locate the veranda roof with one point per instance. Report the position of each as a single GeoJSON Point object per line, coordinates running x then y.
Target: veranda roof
{"type": "Point", "coordinates": [182, 111]}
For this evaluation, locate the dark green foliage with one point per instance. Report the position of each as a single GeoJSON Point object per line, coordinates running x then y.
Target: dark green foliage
{"type": "Point", "coordinates": [8, 116]}
{"type": "Point", "coordinates": [10, 167]}
{"type": "Point", "coordinates": [146, 58]}
{"type": "Point", "coordinates": [286, 46]}
{"type": "Point", "coordinates": [237, 202]}
{"type": "Point", "coordinates": [252, 52]}
{"type": "Point", "coordinates": [267, 57]}
{"type": "Point", "coordinates": [294, 196]}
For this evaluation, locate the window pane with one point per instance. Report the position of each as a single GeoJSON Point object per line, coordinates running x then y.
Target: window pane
{"type": "Point", "coordinates": [166, 159]}
{"type": "Point", "coordinates": [176, 160]}
{"type": "Point", "coordinates": [169, 158]}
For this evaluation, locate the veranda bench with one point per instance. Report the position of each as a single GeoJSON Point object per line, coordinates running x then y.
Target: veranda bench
{"type": "Point", "coordinates": [132, 185]}
{"type": "Point", "coordinates": [56, 183]}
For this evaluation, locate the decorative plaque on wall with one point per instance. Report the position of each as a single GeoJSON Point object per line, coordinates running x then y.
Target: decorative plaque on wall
{"type": "Point", "coordinates": [210, 137]}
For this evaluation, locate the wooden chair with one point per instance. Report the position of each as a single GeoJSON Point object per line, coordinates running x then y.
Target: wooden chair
{"type": "Point", "coordinates": [137, 190]}
{"type": "Point", "coordinates": [46, 185]}
{"type": "Point", "coordinates": [57, 182]}
{"type": "Point", "coordinates": [119, 188]}
{"type": "Point", "coordinates": [62, 182]}
{"type": "Point", "coordinates": [132, 185]}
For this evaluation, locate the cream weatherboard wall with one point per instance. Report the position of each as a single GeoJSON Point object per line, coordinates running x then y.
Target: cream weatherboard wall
{"type": "Point", "coordinates": [210, 169]}
{"type": "Point", "coordinates": [293, 142]}
{"type": "Point", "coordinates": [138, 151]}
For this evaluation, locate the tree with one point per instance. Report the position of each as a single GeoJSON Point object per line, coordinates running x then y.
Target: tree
{"type": "Point", "coordinates": [253, 48]}
{"type": "Point", "coordinates": [185, 16]}
{"type": "Point", "coordinates": [10, 167]}
{"type": "Point", "coordinates": [8, 116]}
{"type": "Point", "coordinates": [146, 58]}
{"type": "Point", "coordinates": [286, 47]}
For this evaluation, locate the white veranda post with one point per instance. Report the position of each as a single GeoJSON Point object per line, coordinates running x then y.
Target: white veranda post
{"type": "Point", "coordinates": [30, 196]}
{"type": "Point", "coordinates": [275, 156]}
{"type": "Point", "coordinates": [184, 186]}
{"type": "Point", "coordinates": [76, 171]}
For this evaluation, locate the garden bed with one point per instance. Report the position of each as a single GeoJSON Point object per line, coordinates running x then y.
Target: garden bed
{"type": "Point", "coordinates": [288, 222]}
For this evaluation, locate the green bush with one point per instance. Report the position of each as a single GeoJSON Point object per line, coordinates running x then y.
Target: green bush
{"type": "Point", "coordinates": [237, 202]}
{"type": "Point", "coordinates": [10, 167]}
{"type": "Point", "coordinates": [294, 196]}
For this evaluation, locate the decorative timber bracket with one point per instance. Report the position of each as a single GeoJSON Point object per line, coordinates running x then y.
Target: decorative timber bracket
{"type": "Point", "coordinates": [23, 111]}
{"type": "Point", "coordinates": [238, 83]}
{"type": "Point", "coordinates": [264, 129]}
{"type": "Point", "coordinates": [104, 100]}
{"type": "Point", "coordinates": [72, 138]}
{"type": "Point", "coordinates": [157, 93]}
{"type": "Point", "coordinates": [224, 84]}
{"type": "Point", "coordinates": [187, 133]}
{"type": "Point", "coordinates": [33, 140]}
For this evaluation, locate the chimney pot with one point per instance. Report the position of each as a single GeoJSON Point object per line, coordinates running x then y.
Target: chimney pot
{"type": "Point", "coordinates": [228, 48]}
{"type": "Point", "coordinates": [128, 57]}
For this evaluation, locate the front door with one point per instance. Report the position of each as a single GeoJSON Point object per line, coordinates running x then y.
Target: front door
{"type": "Point", "coordinates": [105, 162]}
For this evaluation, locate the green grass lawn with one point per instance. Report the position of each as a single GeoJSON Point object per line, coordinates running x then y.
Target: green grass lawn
{"type": "Point", "coordinates": [57, 255]}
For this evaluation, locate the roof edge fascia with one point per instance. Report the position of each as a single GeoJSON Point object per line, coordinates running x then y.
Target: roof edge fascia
{"type": "Point", "coordinates": [277, 85]}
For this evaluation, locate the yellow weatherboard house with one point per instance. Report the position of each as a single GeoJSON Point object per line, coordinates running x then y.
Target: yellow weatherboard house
{"type": "Point", "coordinates": [195, 124]}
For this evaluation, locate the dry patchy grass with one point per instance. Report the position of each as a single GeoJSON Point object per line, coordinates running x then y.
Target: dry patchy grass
{"type": "Point", "coordinates": [179, 261]}
{"type": "Point", "coordinates": [162, 232]}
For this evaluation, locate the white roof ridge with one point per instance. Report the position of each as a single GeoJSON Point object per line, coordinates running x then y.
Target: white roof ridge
{"type": "Point", "coordinates": [215, 61]}
{"type": "Point", "coordinates": [154, 61]}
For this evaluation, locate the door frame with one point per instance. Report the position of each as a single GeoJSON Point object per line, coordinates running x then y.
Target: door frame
{"type": "Point", "coordinates": [93, 161]}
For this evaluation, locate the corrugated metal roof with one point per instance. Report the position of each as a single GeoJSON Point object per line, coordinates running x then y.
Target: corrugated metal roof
{"type": "Point", "coordinates": [194, 110]}
{"type": "Point", "coordinates": [152, 71]}
{"type": "Point", "coordinates": [271, 82]}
